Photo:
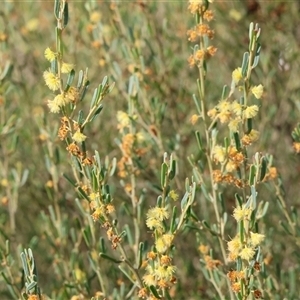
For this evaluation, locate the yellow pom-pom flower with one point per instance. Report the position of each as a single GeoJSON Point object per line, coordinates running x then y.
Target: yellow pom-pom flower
{"type": "Point", "coordinates": [251, 111]}
{"type": "Point", "coordinates": [49, 55]}
{"type": "Point", "coordinates": [78, 137]}
{"type": "Point", "coordinates": [237, 75]}
{"type": "Point", "coordinates": [51, 80]}
{"type": "Point", "coordinates": [257, 91]}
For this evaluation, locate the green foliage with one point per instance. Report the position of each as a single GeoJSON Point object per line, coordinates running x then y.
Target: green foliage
{"type": "Point", "coordinates": [149, 150]}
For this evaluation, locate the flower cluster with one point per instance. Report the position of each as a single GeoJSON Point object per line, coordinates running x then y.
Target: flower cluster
{"type": "Point", "coordinates": [159, 268]}
{"type": "Point", "coordinates": [71, 132]}
{"type": "Point", "coordinates": [53, 81]}
{"type": "Point", "coordinates": [247, 253]}
{"type": "Point", "coordinates": [230, 159]}
{"type": "Point", "coordinates": [244, 247]}
{"type": "Point", "coordinates": [235, 278]}
{"type": "Point", "coordinates": [244, 250]}
{"type": "Point", "coordinates": [159, 271]}
{"type": "Point", "coordinates": [197, 6]}
{"type": "Point", "coordinates": [232, 113]}
{"type": "Point", "coordinates": [130, 144]}
{"type": "Point", "coordinates": [296, 146]}
{"type": "Point", "coordinates": [155, 218]}
{"type": "Point", "coordinates": [199, 31]}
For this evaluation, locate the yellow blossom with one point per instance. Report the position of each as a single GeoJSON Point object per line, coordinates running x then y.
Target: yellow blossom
{"type": "Point", "coordinates": [240, 275]}
{"type": "Point", "coordinates": [203, 249]}
{"type": "Point", "coordinates": [256, 238]}
{"type": "Point", "coordinates": [225, 111]}
{"type": "Point", "coordinates": [171, 269]}
{"type": "Point", "coordinates": [194, 6]}
{"type": "Point", "coordinates": [194, 119]}
{"type": "Point", "coordinates": [212, 113]}
{"type": "Point", "coordinates": [235, 15]}
{"type": "Point", "coordinates": [93, 196]}
{"type": "Point", "coordinates": [251, 111]}
{"type": "Point", "coordinates": [143, 293]}
{"type": "Point", "coordinates": [246, 140]}
{"type": "Point", "coordinates": [98, 213]}
{"type": "Point", "coordinates": [224, 116]}
{"type": "Point", "coordinates": [197, 2]}
{"type": "Point", "coordinates": [140, 137]}
{"type": "Point", "coordinates": [237, 75]}
{"type": "Point", "coordinates": [192, 35]}
{"type": "Point", "coordinates": [173, 195]}
{"type": "Point", "coordinates": [272, 173]}
{"type": "Point", "coordinates": [153, 223]}
{"type": "Point", "coordinates": [242, 213]}
{"type": "Point", "coordinates": [160, 245]}
{"type": "Point", "coordinates": [123, 119]}
{"type": "Point", "coordinates": [232, 275]}
{"type": "Point", "coordinates": [79, 275]}
{"type": "Point", "coordinates": [165, 260]}
{"type": "Point", "coordinates": [236, 287]}
{"type": "Point", "coordinates": [199, 55]}
{"type": "Point", "coordinates": [234, 245]}
{"type": "Point", "coordinates": [151, 255]}
{"type": "Point", "coordinates": [149, 279]}
{"type": "Point", "coordinates": [247, 253]}
{"type": "Point", "coordinates": [253, 135]}
{"type": "Point", "coordinates": [219, 153]}
{"type": "Point", "coordinates": [101, 62]}
{"type": "Point", "coordinates": [66, 68]}
{"type": "Point", "coordinates": [231, 166]}
{"type": "Point", "coordinates": [51, 80]}
{"type": "Point", "coordinates": [163, 243]}
{"type": "Point", "coordinates": [257, 91]}
{"type": "Point", "coordinates": [93, 204]}
{"type": "Point", "coordinates": [159, 213]}
{"type": "Point", "coordinates": [110, 208]}
{"type": "Point", "coordinates": [232, 256]}
{"type": "Point", "coordinates": [191, 61]}
{"type": "Point", "coordinates": [296, 147]}
{"type": "Point", "coordinates": [53, 106]}
{"type": "Point", "coordinates": [32, 24]}
{"type": "Point", "coordinates": [234, 125]}
{"type": "Point", "coordinates": [224, 105]}
{"type": "Point", "coordinates": [40, 297]}
{"type": "Point", "coordinates": [78, 137]}
{"type": "Point", "coordinates": [168, 239]}
{"type": "Point", "coordinates": [236, 108]}
{"type": "Point", "coordinates": [60, 100]}
{"type": "Point", "coordinates": [208, 15]}
{"type": "Point", "coordinates": [202, 29]}
{"type": "Point", "coordinates": [232, 152]}
{"type": "Point", "coordinates": [161, 273]}
{"type": "Point", "coordinates": [211, 50]}
{"type": "Point", "coordinates": [72, 95]}
{"type": "Point", "coordinates": [4, 182]}
{"type": "Point", "coordinates": [49, 55]}
{"type": "Point", "coordinates": [95, 17]}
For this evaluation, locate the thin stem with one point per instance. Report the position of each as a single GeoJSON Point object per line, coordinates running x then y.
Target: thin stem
{"type": "Point", "coordinates": [208, 150]}
{"type": "Point", "coordinates": [285, 212]}
{"type": "Point", "coordinates": [212, 280]}
{"type": "Point", "coordinates": [201, 89]}
{"type": "Point", "coordinates": [91, 112]}
{"type": "Point", "coordinates": [102, 285]}
{"type": "Point", "coordinates": [54, 174]}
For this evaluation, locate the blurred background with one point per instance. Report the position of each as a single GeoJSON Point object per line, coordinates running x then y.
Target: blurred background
{"type": "Point", "coordinates": [106, 43]}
